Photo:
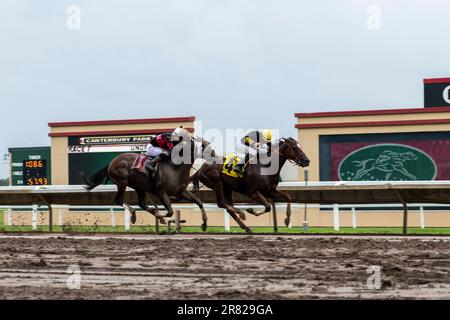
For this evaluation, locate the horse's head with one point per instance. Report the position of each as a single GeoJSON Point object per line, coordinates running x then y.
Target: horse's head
{"type": "Point", "coordinates": [408, 156]}
{"type": "Point", "coordinates": [203, 149]}
{"type": "Point", "coordinates": [291, 149]}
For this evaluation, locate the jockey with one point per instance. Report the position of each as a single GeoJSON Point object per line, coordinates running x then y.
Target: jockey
{"type": "Point", "coordinates": [161, 146]}
{"type": "Point", "coordinates": [158, 149]}
{"type": "Point", "coordinates": [179, 135]}
{"type": "Point", "coordinates": [253, 143]}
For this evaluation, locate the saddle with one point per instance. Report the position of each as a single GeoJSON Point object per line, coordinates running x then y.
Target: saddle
{"type": "Point", "coordinates": [230, 163]}
{"type": "Point", "coordinates": [140, 164]}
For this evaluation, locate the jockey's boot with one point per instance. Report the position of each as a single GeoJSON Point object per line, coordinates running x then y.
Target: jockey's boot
{"type": "Point", "coordinates": [239, 168]}
{"type": "Point", "coordinates": [151, 165]}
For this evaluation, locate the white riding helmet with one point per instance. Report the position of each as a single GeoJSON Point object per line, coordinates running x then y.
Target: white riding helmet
{"type": "Point", "coordinates": [180, 134]}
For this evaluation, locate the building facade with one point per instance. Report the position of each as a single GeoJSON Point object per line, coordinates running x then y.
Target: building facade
{"type": "Point", "coordinates": [380, 145]}
{"type": "Point", "coordinates": [87, 146]}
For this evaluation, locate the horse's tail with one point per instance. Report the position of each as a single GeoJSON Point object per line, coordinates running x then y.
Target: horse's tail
{"type": "Point", "coordinates": [195, 181]}
{"type": "Point", "coordinates": [96, 179]}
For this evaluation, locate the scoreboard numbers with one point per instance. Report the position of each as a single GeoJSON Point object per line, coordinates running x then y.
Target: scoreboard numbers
{"type": "Point", "coordinates": [35, 172]}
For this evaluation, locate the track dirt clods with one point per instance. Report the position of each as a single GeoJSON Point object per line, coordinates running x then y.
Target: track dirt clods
{"type": "Point", "coordinates": [222, 267]}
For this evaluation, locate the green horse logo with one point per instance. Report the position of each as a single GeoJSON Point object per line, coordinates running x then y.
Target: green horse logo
{"type": "Point", "coordinates": [383, 162]}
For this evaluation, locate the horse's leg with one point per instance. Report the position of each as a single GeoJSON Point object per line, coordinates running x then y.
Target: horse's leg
{"type": "Point", "coordinates": [360, 173]}
{"type": "Point", "coordinates": [185, 194]}
{"type": "Point", "coordinates": [288, 199]}
{"type": "Point", "coordinates": [118, 200]}
{"type": "Point", "coordinates": [221, 203]}
{"type": "Point", "coordinates": [228, 193]}
{"type": "Point", "coordinates": [217, 186]}
{"type": "Point", "coordinates": [121, 188]}
{"type": "Point", "coordinates": [164, 198]}
{"type": "Point", "coordinates": [363, 173]}
{"type": "Point", "coordinates": [405, 172]}
{"type": "Point", "coordinates": [259, 198]}
{"type": "Point", "coordinates": [143, 205]}
{"type": "Point", "coordinates": [241, 224]}
{"type": "Point", "coordinates": [388, 175]}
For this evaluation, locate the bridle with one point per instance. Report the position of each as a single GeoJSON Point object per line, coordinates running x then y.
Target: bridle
{"type": "Point", "coordinates": [291, 149]}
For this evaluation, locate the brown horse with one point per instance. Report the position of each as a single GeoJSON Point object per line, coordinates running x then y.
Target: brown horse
{"type": "Point", "coordinates": [170, 179]}
{"type": "Point", "coordinates": [254, 184]}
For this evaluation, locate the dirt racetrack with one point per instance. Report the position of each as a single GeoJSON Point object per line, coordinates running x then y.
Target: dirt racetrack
{"type": "Point", "coordinates": [222, 267]}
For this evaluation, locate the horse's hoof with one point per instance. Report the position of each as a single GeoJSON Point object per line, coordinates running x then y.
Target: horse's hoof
{"type": "Point", "coordinates": [250, 210]}
{"type": "Point", "coordinates": [204, 226]}
{"type": "Point", "coordinates": [162, 220]}
{"type": "Point", "coordinates": [249, 231]}
{"type": "Point", "coordinates": [133, 218]}
{"type": "Point", "coordinates": [286, 222]}
{"type": "Point", "coordinates": [242, 216]}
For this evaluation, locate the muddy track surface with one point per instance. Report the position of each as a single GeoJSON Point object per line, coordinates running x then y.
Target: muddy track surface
{"type": "Point", "coordinates": [224, 268]}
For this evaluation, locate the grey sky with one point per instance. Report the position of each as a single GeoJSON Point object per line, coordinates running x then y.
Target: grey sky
{"type": "Point", "coordinates": [231, 63]}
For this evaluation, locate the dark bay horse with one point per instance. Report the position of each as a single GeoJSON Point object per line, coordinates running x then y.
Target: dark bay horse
{"type": "Point", "coordinates": [254, 184]}
{"type": "Point", "coordinates": [170, 180]}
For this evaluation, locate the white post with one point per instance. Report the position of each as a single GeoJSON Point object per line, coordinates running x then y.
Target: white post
{"type": "Point", "coordinates": [60, 217]}
{"type": "Point", "coordinates": [127, 219]}
{"type": "Point", "coordinates": [226, 216]}
{"type": "Point", "coordinates": [354, 218]}
{"type": "Point", "coordinates": [10, 218]}
{"type": "Point", "coordinates": [422, 218]}
{"type": "Point", "coordinates": [34, 217]}
{"type": "Point", "coordinates": [113, 218]}
{"type": "Point", "coordinates": [336, 217]}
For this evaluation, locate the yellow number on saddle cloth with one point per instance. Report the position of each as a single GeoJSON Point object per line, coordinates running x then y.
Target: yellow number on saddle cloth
{"type": "Point", "coordinates": [228, 166]}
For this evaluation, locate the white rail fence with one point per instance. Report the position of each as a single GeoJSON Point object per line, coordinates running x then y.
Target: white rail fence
{"type": "Point", "coordinates": [334, 209]}
{"type": "Point", "coordinates": [432, 193]}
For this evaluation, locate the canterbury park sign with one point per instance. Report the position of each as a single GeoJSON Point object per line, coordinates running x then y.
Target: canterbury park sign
{"type": "Point", "coordinates": [382, 162]}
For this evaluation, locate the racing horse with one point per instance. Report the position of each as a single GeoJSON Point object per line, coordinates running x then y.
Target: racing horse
{"type": "Point", "coordinates": [253, 183]}
{"type": "Point", "coordinates": [170, 180]}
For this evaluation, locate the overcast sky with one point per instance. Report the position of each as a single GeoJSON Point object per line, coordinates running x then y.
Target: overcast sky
{"type": "Point", "coordinates": [231, 63]}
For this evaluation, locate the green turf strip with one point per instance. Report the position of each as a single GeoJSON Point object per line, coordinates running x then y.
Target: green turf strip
{"type": "Point", "coordinates": [281, 230]}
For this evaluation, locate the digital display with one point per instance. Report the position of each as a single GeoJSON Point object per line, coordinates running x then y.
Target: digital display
{"type": "Point", "coordinates": [35, 172]}
{"type": "Point", "coordinates": [36, 182]}
{"type": "Point", "coordinates": [34, 164]}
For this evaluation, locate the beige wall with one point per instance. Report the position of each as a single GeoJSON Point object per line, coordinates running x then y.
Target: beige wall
{"type": "Point", "coordinates": [289, 172]}
{"type": "Point", "coordinates": [60, 161]}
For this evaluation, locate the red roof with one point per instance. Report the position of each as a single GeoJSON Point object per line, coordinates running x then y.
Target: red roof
{"type": "Point", "coordinates": [112, 132]}
{"type": "Point", "coordinates": [436, 80]}
{"type": "Point", "coordinates": [118, 122]}
{"type": "Point", "coordinates": [371, 123]}
{"type": "Point", "coordinates": [371, 112]}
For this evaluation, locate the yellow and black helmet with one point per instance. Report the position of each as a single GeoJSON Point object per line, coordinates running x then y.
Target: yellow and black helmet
{"type": "Point", "coordinates": [266, 135]}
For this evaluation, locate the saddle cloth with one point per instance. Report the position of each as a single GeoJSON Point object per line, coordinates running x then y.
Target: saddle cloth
{"type": "Point", "coordinates": [139, 163]}
{"type": "Point", "coordinates": [230, 163]}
